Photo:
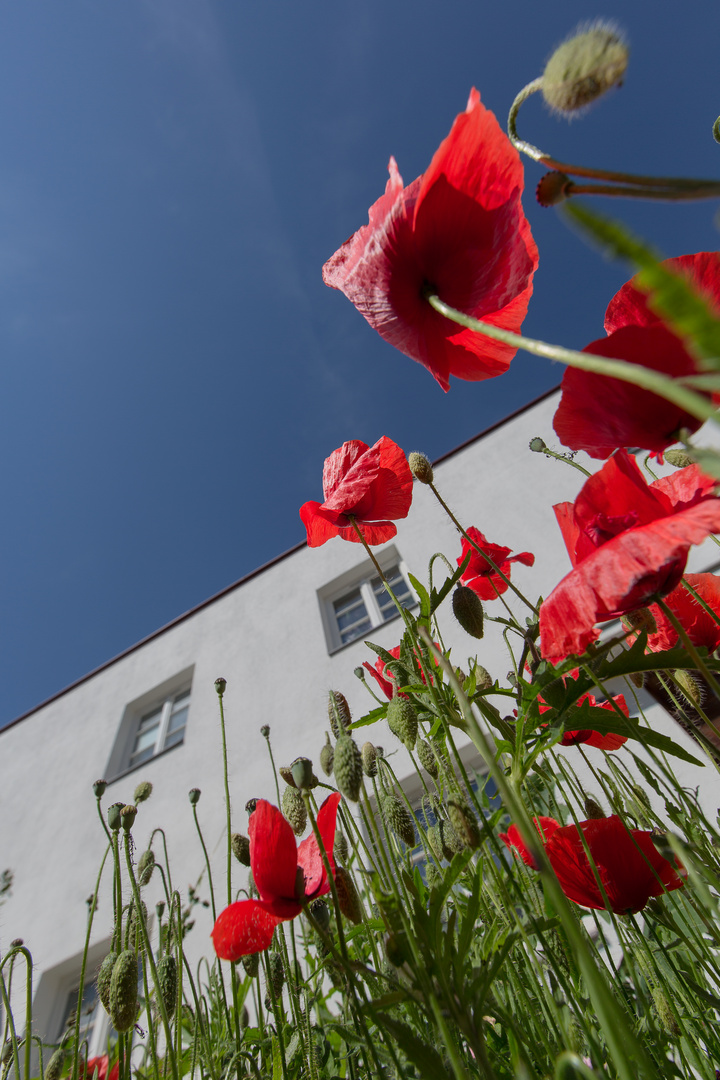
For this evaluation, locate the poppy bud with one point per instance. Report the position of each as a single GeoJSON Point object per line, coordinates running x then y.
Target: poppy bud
{"type": "Point", "coordinates": [689, 687]}
{"type": "Point", "coordinates": [142, 792]}
{"type": "Point", "coordinates": [359, 673]}
{"type": "Point", "coordinates": [369, 759]}
{"type": "Point", "coordinates": [127, 818]}
{"type": "Point", "coordinates": [320, 913]}
{"type": "Point", "coordinates": [452, 843]}
{"type": "Point", "coordinates": [678, 458]}
{"type": "Point", "coordinates": [464, 823]}
{"type": "Point", "coordinates": [396, 949]}
{"type": "Point", "coordinates": [123, 991]}
{"type": "Point", "coordinates": [244, 1018]}
{"type": "Point", "coordinates": [302, 773]}
{"type": "Point", "coordinates": [347, 894]}
{"type": "Point", "coordinates": [7, 1053]}
{"type": "Point", "coordinates": [348, 768]}
{"type": "Point", "coordinates": [251, 963]}
{"type": "Point", "coordinates": [55, 1065]}
{"type": "Point", "coordinates": [537, 445]}
{"type": "Point", "coordinates": [146, 865]}
{"type": "Point", "coordinates": [241, 848]}
{"type": "Point", "coordinates": [432, 875]}
{"type": "Point", "coordinates": [99, 788]}
{"type": "Point", "coordinates": [113, 815]}
{"type": "Point", "coordinates": [17, 943]}
{"type": "Point", "coordinates": [642, 619]}
{"type": "Point", "coordinates": [338, 713]}
{"type": "Point", "coordinates": [552, 189]}
{"type": "Point", "coordinates": [434, 839]}
{"type": "Point", "coordinates": [402, 721]}
{"type": "Point", "coordinates": [220, 685]}
{"type": "Point", "coordinates": [468, 610]}
{"type": "Point", "coordinates": [340, 847]}
{"type": "Point", "coordinates": [104, 976]}
{"type": "Point", "coordinates": [293, 807]}
{"type": "Point", "coordinates": [167, 980]}
{"type": "Point", "coordinates": [665, 1014]}
{"type": "Point", "coordinates": [160, 909]}
{"type": "Point", "coordinates": [421, 468]}
{"type": "Point", "coordinates": [399, 819]}
{"type": "Point", "coordinates": [427, 758]}
{"type": "Point", "coordinates": [593, 810]}
{"type": "Point", "coordinates": [326, 756]}
{"type": "Point", "coordinates": [194, 796]}
{"type": "Point", "coordinates": [584, 67]}
{"type": "Point", "coordinates": [276, 974]}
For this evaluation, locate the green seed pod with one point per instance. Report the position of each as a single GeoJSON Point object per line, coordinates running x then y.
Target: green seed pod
{"type": "Point", "coordinates": [434, 837]}
{"type": "Point", "coordinates": [464, 823]}
{"type": "Point", "coordinates": [220, 685]}
{"type": "Point", "coordinates": [167, 978]}
{"type": "Point", "coordinates": [127, 817]}
{"type": "Point", "coordinates": [99, 788]}
{"type": "Point", "coordinates": [194, 796]}
{"type": "Point", "coordinates": [665, 1014]}
{"type": "Point", "coordinates": [537, 445]}
{"type": "Point", "coordinates": [552, 189]}
{"type": "Point", "coordinates": [55, 1065]}
{"type": "Point", "coordinates": [593, 810]}
{"type": "Point", "coordinates": [146, 865]}
{"type": "Point", "coordinates": [452, 843]}
{"type": "Point", "coordinates": [142, 792]}
{"type": "Point", "coordinates": [348, 768]}
{"type": "Point", "coordinates": [368, 754]}
{"type": "Point", "coordinates": [251, 963]}
{"type": "Point", "coordinates": [427, 758]}
{"type": "Point", "coordinates": [468, 610]}
{"type": "Point", "coordinates": [338, 713]}
{"type": "Point", "coordinates": [123, 991]}
{"type": "Point", "coordinates": [104, 976]}
{"type": "Point", "coordinates": [399, 819]}
{"type": "Point", "coordinates": [320, 913]}
{"type": "Point", "coordinates": [302, 773]}
{"type": "Point", "coordinates": [421, 468]}
{"type": "Point", "coordinates": [340, 847]}
{"type": "Point", "coordinates": [678, 458]}
{"type": "Point", "coordinates": [326, 756]}
{"type": "Point", "coordinates": [347, 894]}
{"type": "Point", "coordinates": [113, 815]}
{"type": "Point", "coordinates": [402, 721]}
{"type": "Point", "coordinates": [293, 807]}
{"type": "Point", "coordinates": [585, 67]}
{"type": "Point", "coordinates": [241, 848]}
{"type": "Point", "coordinates": [276, 975]}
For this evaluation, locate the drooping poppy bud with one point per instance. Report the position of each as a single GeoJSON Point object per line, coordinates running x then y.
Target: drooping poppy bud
{"type": "Point", "coordinates": [294, 809]}
{"type": "Point", "coordinates": [327, 755]}
{"type": "Point", "coordinates": [427, 758]}
{"type": "Point", "coordinates": [348, 899]}
{"type": "Point", "coordinates": [369, 759]}
{"type": "Point", "coordinates": [320, 913]}
{"type": "Point", "coordinates": [593, 810]}
{"type": "Point", "coordinates": [421, 468]}
{"type": "Point", "coordinates": [399, 819]}
{"type": "Point", "coordinates": [464, 823]}
{"type": "Point", "coordinates": [679, 459]}
{"type": "Point", "coordinates": [251, 963]}
{"type": "Point", "coordinates": [142, 792]}
{"type": "Point", "coordinates": [340, 847]}
{"type": "Point", "coordinates": [104, 976]}
{"type": "Point", "coordinates": [123, 991]}
{"type": "Point", "coordinates": [338, 713]}
{"type": "Point", "coordinates": [241, 848]}
{"type": "Point", "coordinates": [348, 768]}
{"type": "Point", "coordinates": [55, 1065]}
{"type": "Point", "coordinates": [146, 865]}
{"type": "Point", "coordinates": [276, 976]}
{"type": "Point", "coordinates": [468, 610]}
{"type": "Point", "coordinates": [584, 67]}
{"type": "Point", "coordinates": [167, 979]}
{"type": "Point", "coordinates": [402, 721]}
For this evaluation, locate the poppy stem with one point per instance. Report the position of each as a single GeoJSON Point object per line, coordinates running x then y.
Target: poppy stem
{"type": "Point", "coordinates": [695, 188]}
{"type": "Point", "coordinates": [653, 381]}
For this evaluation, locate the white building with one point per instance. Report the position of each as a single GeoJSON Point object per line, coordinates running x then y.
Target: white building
{"type": "Point", "coordinates": [152, 712]}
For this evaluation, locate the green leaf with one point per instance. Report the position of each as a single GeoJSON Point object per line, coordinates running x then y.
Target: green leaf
{"type": "Point", "coordinates": [423, 596]}
{"type": "Point", "coordinates": [370, 718]}
{"type": "Point", "coordinates": [670, 295]}
{"type": "Point", "coordinates": [424, 1056]}
{"type": "Point", "coordinates": [277, 1059]}
{"type": "Point", "coordinates": [438, 597]}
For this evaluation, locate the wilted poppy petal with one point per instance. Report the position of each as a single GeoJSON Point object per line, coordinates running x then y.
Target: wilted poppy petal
{"type": "Point", "coordinates": [242, 928]}
{"type": "Point", "coordinates": [309, 857]}
{"type": "Point", "coordinates": [273, 853]}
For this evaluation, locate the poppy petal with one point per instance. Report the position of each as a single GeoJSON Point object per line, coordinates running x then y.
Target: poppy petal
{"type": "Point", "coordinates": [309, 857]}
{"type": "Point", "coordinates": [244, 927]}
{"type": "Point", "coordinates": [273, 853]}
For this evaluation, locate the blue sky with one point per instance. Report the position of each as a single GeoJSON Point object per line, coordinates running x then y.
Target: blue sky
{"type": "Point", "coordinates": [173, 175]}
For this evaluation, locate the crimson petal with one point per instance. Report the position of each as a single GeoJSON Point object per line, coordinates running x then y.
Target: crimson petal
{"type": "Point", "coordinates": [309, 857]}
{"type": "Point", "coordinates": [244, 927]}
{"type": "Point", "coordinates": [273, 853]}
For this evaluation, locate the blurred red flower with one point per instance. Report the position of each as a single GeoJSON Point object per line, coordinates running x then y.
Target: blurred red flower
{"type": "Point", "coordinates": [599, 414]}
{"type": "Point", "coordinates": [458, 230]}
{"type": "Point", "coordinates": [372, 484]}
{"type": "Point", "coordinates": [628, 864]}
{"type": "Point", "coordinates": [628, 542]}
{"type": "Point", "coordinates": [545, 826]}
{"type": "Point", "coordinates": [699, 625]}
{"type": "Point", "coordinates": [479, 574]}
{"type": "Point", "coordinates": [101, 1064]}
{"type": "Point", "coordinates": [247, 926]}
{"type": "Point", "coordinates": [611, 741]}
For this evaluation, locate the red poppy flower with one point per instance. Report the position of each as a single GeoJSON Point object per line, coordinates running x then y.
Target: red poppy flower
{"type": "Point", "coordinates": [699, 625]}
{"type": "Point", "coordinates": [628, 864]}
{"type": "Point", "coordinates": [611, 741]}
{"type": "Point", "coordinates": [459, 230]}
{"type": "Point", "coordinates": [101, 1064]}
{"type": "Point", "coordinates": [369, 484]}
{"type": "Point", "coordinates": [387, 682]}
{"type": "Point", "coordinates": [546, 826]}
{"type": "Point", "coordinates": [479, 574]}
{"type": "Point", "coordinates": [247, 926]}
{"type": "Point", "coordinates": [598, 414]}
{"type": "Point", "coordinates": [628, 542]}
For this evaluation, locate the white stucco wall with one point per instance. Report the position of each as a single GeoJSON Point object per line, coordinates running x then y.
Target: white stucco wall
{"type": "Point", "coordinates": [266, 638]}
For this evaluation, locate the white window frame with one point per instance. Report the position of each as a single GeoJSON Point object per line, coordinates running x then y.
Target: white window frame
{"type": "Point", "coordinates": [161, 697]}
{"type": "Point", "coordinates": [360, 577]}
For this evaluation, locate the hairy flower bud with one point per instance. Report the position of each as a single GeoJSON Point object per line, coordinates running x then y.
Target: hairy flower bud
{"type": "Point", "coordinates": [327, 755]}
{"type": "Point", "coordinates": [340, 847]}
{"type": "Point", "coordinates": [338, 713]}
{"type": "Point", "coordinates": [294, 809]}
{"type": "Point", "coordinates": [399, 818]}
{"type": "Point", "coordinates": [642, 619]}
{"type": "Point", "coordinates": [689, 687]}
{"type": "Point", "coordinates": [142, 792]}
{"type": "Point", "coordinates": [680, 459]}
{"type": "Point", "coordinates": [434, 838]}
{"type": "Point", "coordinates": [104, 976]}
{"type": "Point", "coordinates": [276, 974]}
{"type": "Point", "coordinates": [665, 1014]}
{"type": "Point", "coordinates": [347, 894]}
{"type": "Point", "coordinates": [402, 721]}
{"type": "Point", "coordinates": [55, 1065]}
{"type": "Point", "coordinates": [241, 848]}
{"type": "Point", "coordinates": [421, 468]}
{"type": "Point", "coordinates": [251, 963]}
{"type": "Point", "coordinates": [369, 759]}
{"type": "Point", "coordinates": [160, 909]}
{"type": "Point", "coordinates": [168, 982]}
{"type": "Point", "coordinates": [464, 822]}
{"type": "Point", "coordinates": [583, 68]}
{"type": "Point", "coordinates": [452, 843]}
{"type": "Point", "coordinates": [468, 610]}
{"type": "Point", "coordinates": [123, 991]}
{"type": "Point", "coordinates": [593, 810]}
{"type": "Point", "coordinates": [348, 768]}
{"type": "Point", "coordinates": [427, 758]}
{"type": "Point", "coordinates": [194, 796]}
{"type": "Point", "coordinates": [99, 788]}
{"type": "Point", "coordinates": [146, 865]}
{"type": "Point", "coordinates": [320, 913]}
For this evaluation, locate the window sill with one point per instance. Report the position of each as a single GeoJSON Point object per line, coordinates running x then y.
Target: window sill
{"type": "Point", "coordinates": [371, 631]}
{"type": "Point", "coordinates": [142, 764]}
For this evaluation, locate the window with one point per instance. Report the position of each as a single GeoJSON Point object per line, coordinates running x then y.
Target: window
{"type": "Point", "coordinates": [151, 725]}
{"type": "Point", "coordinates": [358, 602]}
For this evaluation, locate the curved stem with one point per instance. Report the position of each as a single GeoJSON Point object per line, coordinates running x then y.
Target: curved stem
{"type": "Point", "coordinates": [653, 381]}
{"type": "Point", "coordinates": [669, 194]}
